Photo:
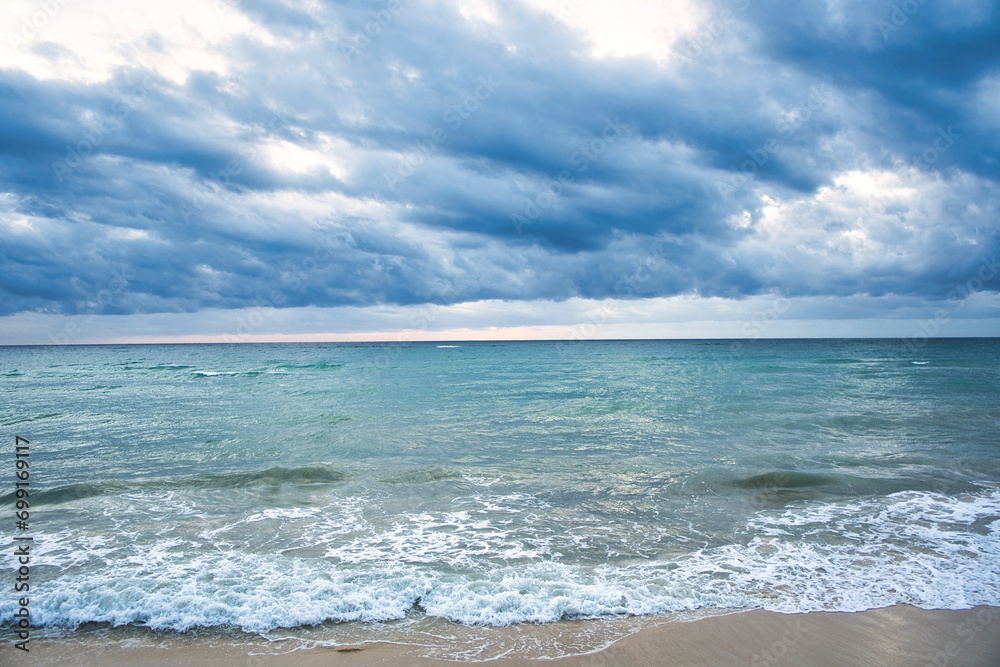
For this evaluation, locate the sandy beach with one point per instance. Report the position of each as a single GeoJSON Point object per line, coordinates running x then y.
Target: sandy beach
{"type": "Point", "coordinates": [899, 635]}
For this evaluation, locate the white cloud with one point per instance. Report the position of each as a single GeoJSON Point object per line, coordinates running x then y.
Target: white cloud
{"type": "Point", "coordinates": [87, 40]}
{"type": "Point", "coordinates": [628, 27]}
{"type": "Point", "coordinates": [873, 226]}
{"type": "Point", "coordinates": [855, 198]}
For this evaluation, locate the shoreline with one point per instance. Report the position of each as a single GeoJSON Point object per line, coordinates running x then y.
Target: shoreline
{"type": "Point", "coordinates": [898, 635]}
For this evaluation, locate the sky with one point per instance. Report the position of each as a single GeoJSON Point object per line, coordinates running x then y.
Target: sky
{"type": "Point", "coordinates": [307, 170]}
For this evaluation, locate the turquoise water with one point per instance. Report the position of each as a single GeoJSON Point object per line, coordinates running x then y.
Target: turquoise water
{"type": "Point", "coordinates": [284, 488]}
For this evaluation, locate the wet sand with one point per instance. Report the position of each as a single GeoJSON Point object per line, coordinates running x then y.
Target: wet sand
{"type": "Point", "coordinates": [899, 635]}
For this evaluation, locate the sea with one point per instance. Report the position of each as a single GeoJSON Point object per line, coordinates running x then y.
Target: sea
{"type": "Point", "coordinates": [430, 493]}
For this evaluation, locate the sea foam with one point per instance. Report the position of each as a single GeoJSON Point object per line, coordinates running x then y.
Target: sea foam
{"type": "Point", "coordinates": [918, 548]}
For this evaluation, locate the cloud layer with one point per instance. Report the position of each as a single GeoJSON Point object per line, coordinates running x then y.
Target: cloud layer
{"type": "Point", "coordinates": [282, 154]}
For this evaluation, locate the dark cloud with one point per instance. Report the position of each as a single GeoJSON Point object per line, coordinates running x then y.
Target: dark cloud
{"type": "Point", "coordinates": [502, 162]}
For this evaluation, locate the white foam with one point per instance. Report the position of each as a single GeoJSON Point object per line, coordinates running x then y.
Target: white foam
{"type": "Point", "coordinates": [493, 560]}
{"type": "Point", "coordinates": [283, 513]}
{"type": "Point", "coordinates": [480, 481]}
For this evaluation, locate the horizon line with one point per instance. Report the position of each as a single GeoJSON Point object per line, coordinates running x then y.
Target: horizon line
{"type": "Point", "coordinates": [506, 340]}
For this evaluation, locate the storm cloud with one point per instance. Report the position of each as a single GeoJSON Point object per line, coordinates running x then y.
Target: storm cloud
{"type": "Point", "coordinates": [283, 154]}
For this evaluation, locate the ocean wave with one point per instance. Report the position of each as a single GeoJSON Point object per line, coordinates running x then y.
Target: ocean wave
{"type": "Point", "coordinates": [277, 369]}
{"type": "Point", "coordinates": [209, 374]}
{"type": "Point", "coordinates": [805, 485]}
{"type": "Point", "coordinates": [277, 475]}
{"type": "Point", "coordinates": [24, 420]}
{"type": "Point", "coordinates": [317, 366]}
{"type": "Point", "coordinates": [423, 475]}
{"type": "Point", "coordinates": [918, 548]}
{"type": "Point", "coordinates": [781, 479]}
